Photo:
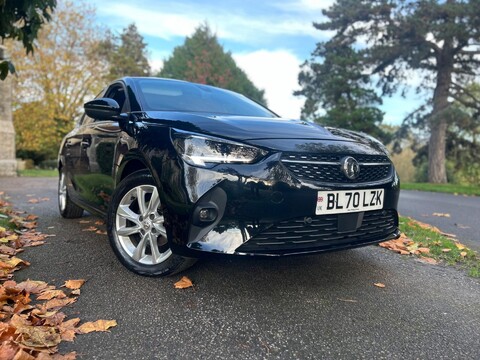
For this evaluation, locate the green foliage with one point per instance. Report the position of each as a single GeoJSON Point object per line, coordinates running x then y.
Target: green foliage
{"type": "Point", "coordinates": [54, 82]}
{"type": "Point", "coordinates": [392, 39]}
{"type": "Point", "coordinates": [462, 144]}
{"type": "Point", "coordinates": [21, 20]}
{"type": "Point", "coordinates": [443, 188]}
{"type": "Point", "coordinates": [338, 86]}
{"type": "Point", "coordinates": [38, 173]}
{"type": "Point", "coordinates": [202, 59]}
{"type": "Point", "coordinates": [441, 247]}
{"type": "Point", "coordinates": [126, 54]}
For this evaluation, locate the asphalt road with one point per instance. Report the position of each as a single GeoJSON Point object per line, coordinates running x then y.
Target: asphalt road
{"type": "Point", "coordinates": [464, 211]}
{"type": "Point", "coordinates": [313, 307]}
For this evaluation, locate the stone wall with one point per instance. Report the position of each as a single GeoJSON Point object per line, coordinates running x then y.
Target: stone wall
{"type": "Point", "coordinates": [8, 163]}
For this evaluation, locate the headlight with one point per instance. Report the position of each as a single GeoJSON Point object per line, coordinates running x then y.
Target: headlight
{"type": "Point", "coordinates": [206, 151]}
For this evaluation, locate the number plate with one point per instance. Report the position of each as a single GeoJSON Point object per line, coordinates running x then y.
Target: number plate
{"type": "Point", "coordinates": [338, 202]}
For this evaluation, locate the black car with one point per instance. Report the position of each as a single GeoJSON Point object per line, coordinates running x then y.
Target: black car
{"type": "Point", "coordinates": [181, 169]}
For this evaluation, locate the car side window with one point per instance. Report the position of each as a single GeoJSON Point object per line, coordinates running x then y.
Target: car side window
{"type": "Point", "coordinates": [117, 93]}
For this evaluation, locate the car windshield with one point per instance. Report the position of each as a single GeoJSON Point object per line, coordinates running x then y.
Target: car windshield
{"type": "Point", "coordinates": [172, 95]}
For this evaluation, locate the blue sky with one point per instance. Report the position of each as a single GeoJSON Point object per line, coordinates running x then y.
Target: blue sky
{"type": "Point", "coordinates": [269, 39]}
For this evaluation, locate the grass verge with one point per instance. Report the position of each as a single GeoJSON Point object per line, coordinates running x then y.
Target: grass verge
{"type": "Point", "coordinates": [428, 242]}
{"type": "Point", "coordinates": [444, 188]}
{"type": "Point", "coordinates": [38, 173]}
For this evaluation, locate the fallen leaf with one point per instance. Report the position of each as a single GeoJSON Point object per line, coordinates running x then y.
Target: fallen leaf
{"type": "Point", "coordinates": [99, 325]}
{"type": "Point", "coordinates": [428, 260]}
{"type": "Point", "coordinates": [33, 201]}
{"type": "Point", "coordinates": [34, 287]}
{"type": "Point", "coordinates": [183, 283]}
{"type": "Point", "coordinates": [347, 300]}
{"type": "Point", "coordinates": [68, 329]}
{"type": "Point", "coordinates": [48, 295]}
{"type": "Point", "coordinates": [446, 250]}
{"type": "Point", "coordinates": [441, 214]}
{"type": "Point", "coordinates": [460, 246]}
{"type": "Point", "coordinates": [463, 254]}
{"type": "Point", "coordinates": [58, 303]}
{"type": "Point", "coordinates": [7, 351]}
{"type": "Point", "coordinates": [84, 221]}
{"type": "Point", "coordinates": [101, 232]}
{"type": "Point", "coordinates": [38, 336]}
{"type": "Point", "coordinates": [74, 284]}
{"type": "Point", "coordinates": [7, 250]}
{"type": "Point", "coordinates": [423, 250]}
{"type": "Point", "coordinates": [453, 236]}
{"type": "Point", "coordinates": [23, 355]}
{"type": "Point", "coordinates": [380, 285]}
{"type": "Point", "coordinates": [90, 228]}
{"type": "Point", "coordinates": [99, 222]}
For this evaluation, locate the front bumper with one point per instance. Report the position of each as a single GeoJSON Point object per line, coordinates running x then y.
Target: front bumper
{"type": "Point", "coordinates": [263, 209]}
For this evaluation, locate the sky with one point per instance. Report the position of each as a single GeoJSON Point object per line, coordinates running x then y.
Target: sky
{"type": "Point", "coordinates": [269, 40]}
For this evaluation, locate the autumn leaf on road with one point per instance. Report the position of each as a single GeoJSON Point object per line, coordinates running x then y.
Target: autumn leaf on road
{"type": "Point", "coordinates": [90, 228]}
{"type": "Point", "coordinates": [183, 283]}
{"type": "Point", "coordinates": [50, 294]}
{"type": "Point", "coordinates": [74, 284]}
{"type": "Point", "coordinates": [428, 260]}
{"type": "Point", "coordinates": [441, 214]}
{"type": "Point", "coordinates": [58, 303]}
{"type": "Point", "coordinates": [380, 285]}
{"type": "Point", "coordinates": [99, 325]}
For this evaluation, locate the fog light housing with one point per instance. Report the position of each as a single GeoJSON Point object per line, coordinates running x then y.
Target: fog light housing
{"type": "Point", "coordinates": [204, 215]}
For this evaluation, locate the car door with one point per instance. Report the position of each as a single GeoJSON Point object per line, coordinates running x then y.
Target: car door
{"type": "Point", "coordinates": [97, 153]}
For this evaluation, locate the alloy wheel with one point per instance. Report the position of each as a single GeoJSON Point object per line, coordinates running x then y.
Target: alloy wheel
{"type": "Point", "coordinates": [139, 226]}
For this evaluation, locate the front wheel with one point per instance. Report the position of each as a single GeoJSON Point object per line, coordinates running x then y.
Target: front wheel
{"type": "Point", "coordinates": [136, 228]}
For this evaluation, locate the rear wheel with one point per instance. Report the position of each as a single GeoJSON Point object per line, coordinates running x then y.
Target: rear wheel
{"type": "Point", "coordinates": [66, 207]}
{"type": "Point", "coordinates": [136, 228]}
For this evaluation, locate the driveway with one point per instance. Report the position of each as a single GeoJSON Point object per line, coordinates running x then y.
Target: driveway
{"type": "Point", "coordinates": [463, 211]}
{"type": "Point", "coordinates": [310, 307]}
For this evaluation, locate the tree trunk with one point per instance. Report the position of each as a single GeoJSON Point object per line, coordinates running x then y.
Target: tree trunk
{"type": "Point", "coordinates": [438, 123]}
{"type": "Point", "coordinates": [436, 152]}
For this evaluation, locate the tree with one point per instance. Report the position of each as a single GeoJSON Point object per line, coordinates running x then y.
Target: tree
{"type": "Point", "coordinates": [439, 40]}
{"type": "Point", "coordinates": [203, 60]}
{"type": "Point", "coordinates": [127, 53]}
{"type": "Point", "coordinates": [462, 143]}
{"type": "Point", "coordinates": [54, 82]}
{"type": "Point", "coordinates": [340, 88]}
{"type": "Point", "coordinates": [21, 20]}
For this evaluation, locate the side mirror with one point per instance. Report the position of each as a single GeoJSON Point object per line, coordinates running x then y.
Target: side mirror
{"type": "Point", "coordinates": [102, 109]}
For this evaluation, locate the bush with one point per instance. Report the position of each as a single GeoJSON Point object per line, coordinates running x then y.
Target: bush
{"type": "Point", "coordinates": [48, 164]}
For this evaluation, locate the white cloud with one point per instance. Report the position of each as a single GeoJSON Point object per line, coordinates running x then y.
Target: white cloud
{"type": "Point", "coordinates": [305, 5]}
{"type": "Point", "coordinates": [181, 21]}
{"type": "Point", "coordinates": [276, 72]}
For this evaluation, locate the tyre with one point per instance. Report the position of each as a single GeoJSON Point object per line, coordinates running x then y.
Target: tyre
{"type": "Point", "coordinates": [66, 207]}
{"type": "Point", "coordinates": [136, 230]}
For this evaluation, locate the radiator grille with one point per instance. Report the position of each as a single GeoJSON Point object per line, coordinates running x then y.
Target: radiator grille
{"type": "Point", "coordinates": [325, 168]}
{"type": "Point", "coordinates": [322, 232]}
